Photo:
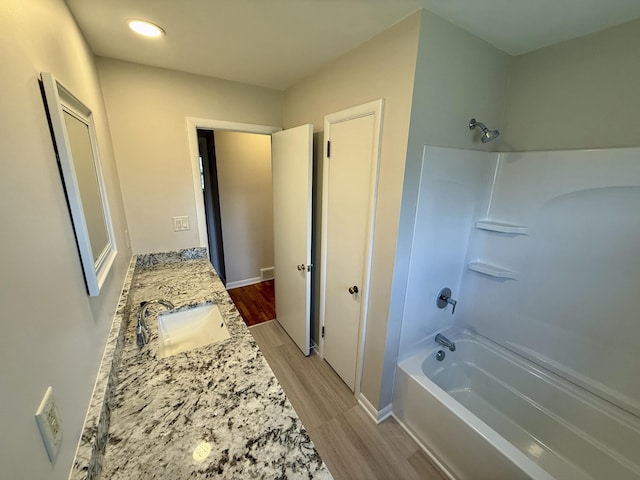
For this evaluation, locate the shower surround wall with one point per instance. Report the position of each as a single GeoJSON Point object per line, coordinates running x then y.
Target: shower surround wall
{"type": "Point", "coordinates": [555, 236]}
{"type": "Point", "coordinates": [574, 306]}
{"type": "Point", "coordinates": [454, 191]}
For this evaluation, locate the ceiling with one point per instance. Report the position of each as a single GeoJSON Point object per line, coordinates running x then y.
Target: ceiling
{"type": "Point", "coordinates": [276, 43]}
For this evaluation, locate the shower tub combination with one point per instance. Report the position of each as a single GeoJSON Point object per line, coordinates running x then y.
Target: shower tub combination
{"type": "Point", "coordinates": [484, 412]}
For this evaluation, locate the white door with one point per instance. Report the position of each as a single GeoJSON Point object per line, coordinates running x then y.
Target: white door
{"type": "Point", "coordinates": [292, 169]}
{"type": "Point", "coordinates": [350, 178]}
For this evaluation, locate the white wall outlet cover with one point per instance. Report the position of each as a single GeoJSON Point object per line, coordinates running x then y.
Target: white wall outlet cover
{"type": "Point", "coordinates": [48, 420]}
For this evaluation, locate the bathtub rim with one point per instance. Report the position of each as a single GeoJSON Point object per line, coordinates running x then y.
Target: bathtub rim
{"type": "Point", "coordinates": [613, 410]}
{"type": "Point", "coordinates": [413, 368]}
{"type": "Point", "coordinates": [502, 445]}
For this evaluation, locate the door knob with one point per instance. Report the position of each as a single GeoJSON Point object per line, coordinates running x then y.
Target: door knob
{"type": "Point", "coordinates": [301, 267]}
{"type": "Point", "coordinates": [353, 290]}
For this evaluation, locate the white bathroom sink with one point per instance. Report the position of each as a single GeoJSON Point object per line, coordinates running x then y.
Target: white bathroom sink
{"type": "Point", "coordinates": [187, 329]}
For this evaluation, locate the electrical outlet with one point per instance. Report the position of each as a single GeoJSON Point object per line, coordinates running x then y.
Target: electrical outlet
{"type": "Point", "coordinates": [48, 420]}
{"type": "Point", "coordinates": [180, 224]}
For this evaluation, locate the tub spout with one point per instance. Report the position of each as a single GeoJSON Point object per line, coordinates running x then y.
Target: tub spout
{"type": "Point", "coordinates": [445, 342]}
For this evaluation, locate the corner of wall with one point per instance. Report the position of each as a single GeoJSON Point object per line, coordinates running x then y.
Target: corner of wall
{"type": "Point", "coordinates": [440, 111]}
{"type": "Point", "coordinates": [553, 90]}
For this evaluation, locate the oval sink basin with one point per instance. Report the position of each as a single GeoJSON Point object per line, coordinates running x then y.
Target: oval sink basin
{"type": "Point", "coordinates": [187, 329]}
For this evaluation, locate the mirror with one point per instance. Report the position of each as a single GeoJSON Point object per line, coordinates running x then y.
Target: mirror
{"type": "Point", "coordinates": [74, 140]}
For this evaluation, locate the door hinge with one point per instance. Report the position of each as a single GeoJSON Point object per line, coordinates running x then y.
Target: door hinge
{"type": "Point", "coordinates": [328, 148]}
{"type": "Point", "coordinates": [322, 332]}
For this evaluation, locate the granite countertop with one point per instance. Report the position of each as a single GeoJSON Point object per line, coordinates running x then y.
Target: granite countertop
{"type": "Point", "coordinates": [213, 412]}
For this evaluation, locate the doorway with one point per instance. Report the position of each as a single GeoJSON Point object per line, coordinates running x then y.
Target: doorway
{"type": "Point", "coordinates": [193, 125]}
{"type": "Point", "coordinates": [245, 188]}
{"type": "Point", "coordinates": [298, 263]}
{"type": "Point", "coordinates": [236, 181]}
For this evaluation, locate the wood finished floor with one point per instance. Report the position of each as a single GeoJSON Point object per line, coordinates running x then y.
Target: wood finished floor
{"type": "Point", "coordinates": [349, 441]}
{"type": "Point", "coordinates": [256, 303]}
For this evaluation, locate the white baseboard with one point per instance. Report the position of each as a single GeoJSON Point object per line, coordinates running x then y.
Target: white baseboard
{"type": "Point", "coordinates": [434, 459]}
{"type": "Point", "coordinates": [261, 323]}
{"type": "Point", "coordinates": [243, 283]}
{"type": "Point", "coordinates": [267, 273]}
{"type": "Point", "coordinates": [378, 416]}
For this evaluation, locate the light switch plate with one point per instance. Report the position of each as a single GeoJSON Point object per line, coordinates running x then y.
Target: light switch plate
{"type": "Point", "coordinates": [181, 224]}
{"type": "Point", "coordinates": [48, 420]}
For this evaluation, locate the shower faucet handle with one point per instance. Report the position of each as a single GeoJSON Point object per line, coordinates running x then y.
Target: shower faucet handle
{"type": "Point", "coordinates": [453, 303]}
{"type": "Point", "coordinates": [444, 299]}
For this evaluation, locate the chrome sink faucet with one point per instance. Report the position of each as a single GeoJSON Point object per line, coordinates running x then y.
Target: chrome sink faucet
{"type": "Point", "coordinates": [142, 337]}
{"type": "Point", "coordinates": [445, 342]}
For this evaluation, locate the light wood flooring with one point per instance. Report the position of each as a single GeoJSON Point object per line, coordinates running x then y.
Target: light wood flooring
{"type": "Point", "coordinates": [256, 303]}
{"type": "Point", "coordinates": [349, 441]}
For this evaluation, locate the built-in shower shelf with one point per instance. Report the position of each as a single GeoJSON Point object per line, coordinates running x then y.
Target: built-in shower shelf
{"type": "Point", "coordinates": [502, 227]}
{"type": "Point", "coordinates": [492, 270]}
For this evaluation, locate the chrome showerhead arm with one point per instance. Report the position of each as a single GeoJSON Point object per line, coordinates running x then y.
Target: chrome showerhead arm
{"type": "Point", "coordinates": [487, 135]}
{"type": "Point", "coordinates": [473, 123]}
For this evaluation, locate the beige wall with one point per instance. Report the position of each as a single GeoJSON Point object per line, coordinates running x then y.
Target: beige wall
{"type": "Point", "coordinates": [246, 203]}
{"type": "Point", "coordinates": [583, 93]}
{"type": "Point", "coordinates": [383, 67]}
{"type": "Point", "coordinates": [52, 332]}
{"type": "Point", "coordinates": [458, 76]}
{"type": "Point", "coordinates": [147, 110]}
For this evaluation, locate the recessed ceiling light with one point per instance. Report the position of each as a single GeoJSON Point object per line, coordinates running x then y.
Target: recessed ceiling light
{"type": "Point", "coordinates": [147, 29]}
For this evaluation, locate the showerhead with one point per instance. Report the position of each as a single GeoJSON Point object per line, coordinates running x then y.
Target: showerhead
{"type": "Point", "coordinates": [487, 135]}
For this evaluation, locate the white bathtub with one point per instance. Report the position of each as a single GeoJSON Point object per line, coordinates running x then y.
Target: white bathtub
{"type": "Point", "coordinates": [486, 413]}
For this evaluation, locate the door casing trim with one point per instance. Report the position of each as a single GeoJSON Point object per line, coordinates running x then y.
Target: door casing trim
{"type": "Point", "coordinates": [193, 124]}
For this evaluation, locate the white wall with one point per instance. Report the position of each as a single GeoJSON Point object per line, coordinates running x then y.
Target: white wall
{"type": "Point", "coordinates": [383, 67]}
{"type": "Point", "coordinates": [582, 93]}
{"type": "Point", "coordinates": [147, 109]}
{"type": "Point", "coordinates": [246, 203]}
{"type": "Point", "coordinates": [458, 76]}
{"type": "Point", "coordinates": [52, 332]}
{"type": "Point", "coordinates": [455, 186]}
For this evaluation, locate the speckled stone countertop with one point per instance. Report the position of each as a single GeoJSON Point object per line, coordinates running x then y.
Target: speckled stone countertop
{"type": "Point", "coordinates": [213, 412]}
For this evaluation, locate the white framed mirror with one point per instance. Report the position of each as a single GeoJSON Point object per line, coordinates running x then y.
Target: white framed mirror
{"type": "Point", "coordinates": [77, 153]}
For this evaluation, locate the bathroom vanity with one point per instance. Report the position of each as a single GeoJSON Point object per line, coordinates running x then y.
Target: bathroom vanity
{"type": "Point", "coordinates": [214, 411]}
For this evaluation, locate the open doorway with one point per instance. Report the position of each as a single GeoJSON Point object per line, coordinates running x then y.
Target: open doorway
{"type": "Point", "coordinates": [235, 170]}
{"type": "Point", "coordinates": [292, 261]}
{"type": "Point", "coordinates": [245, 198]}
